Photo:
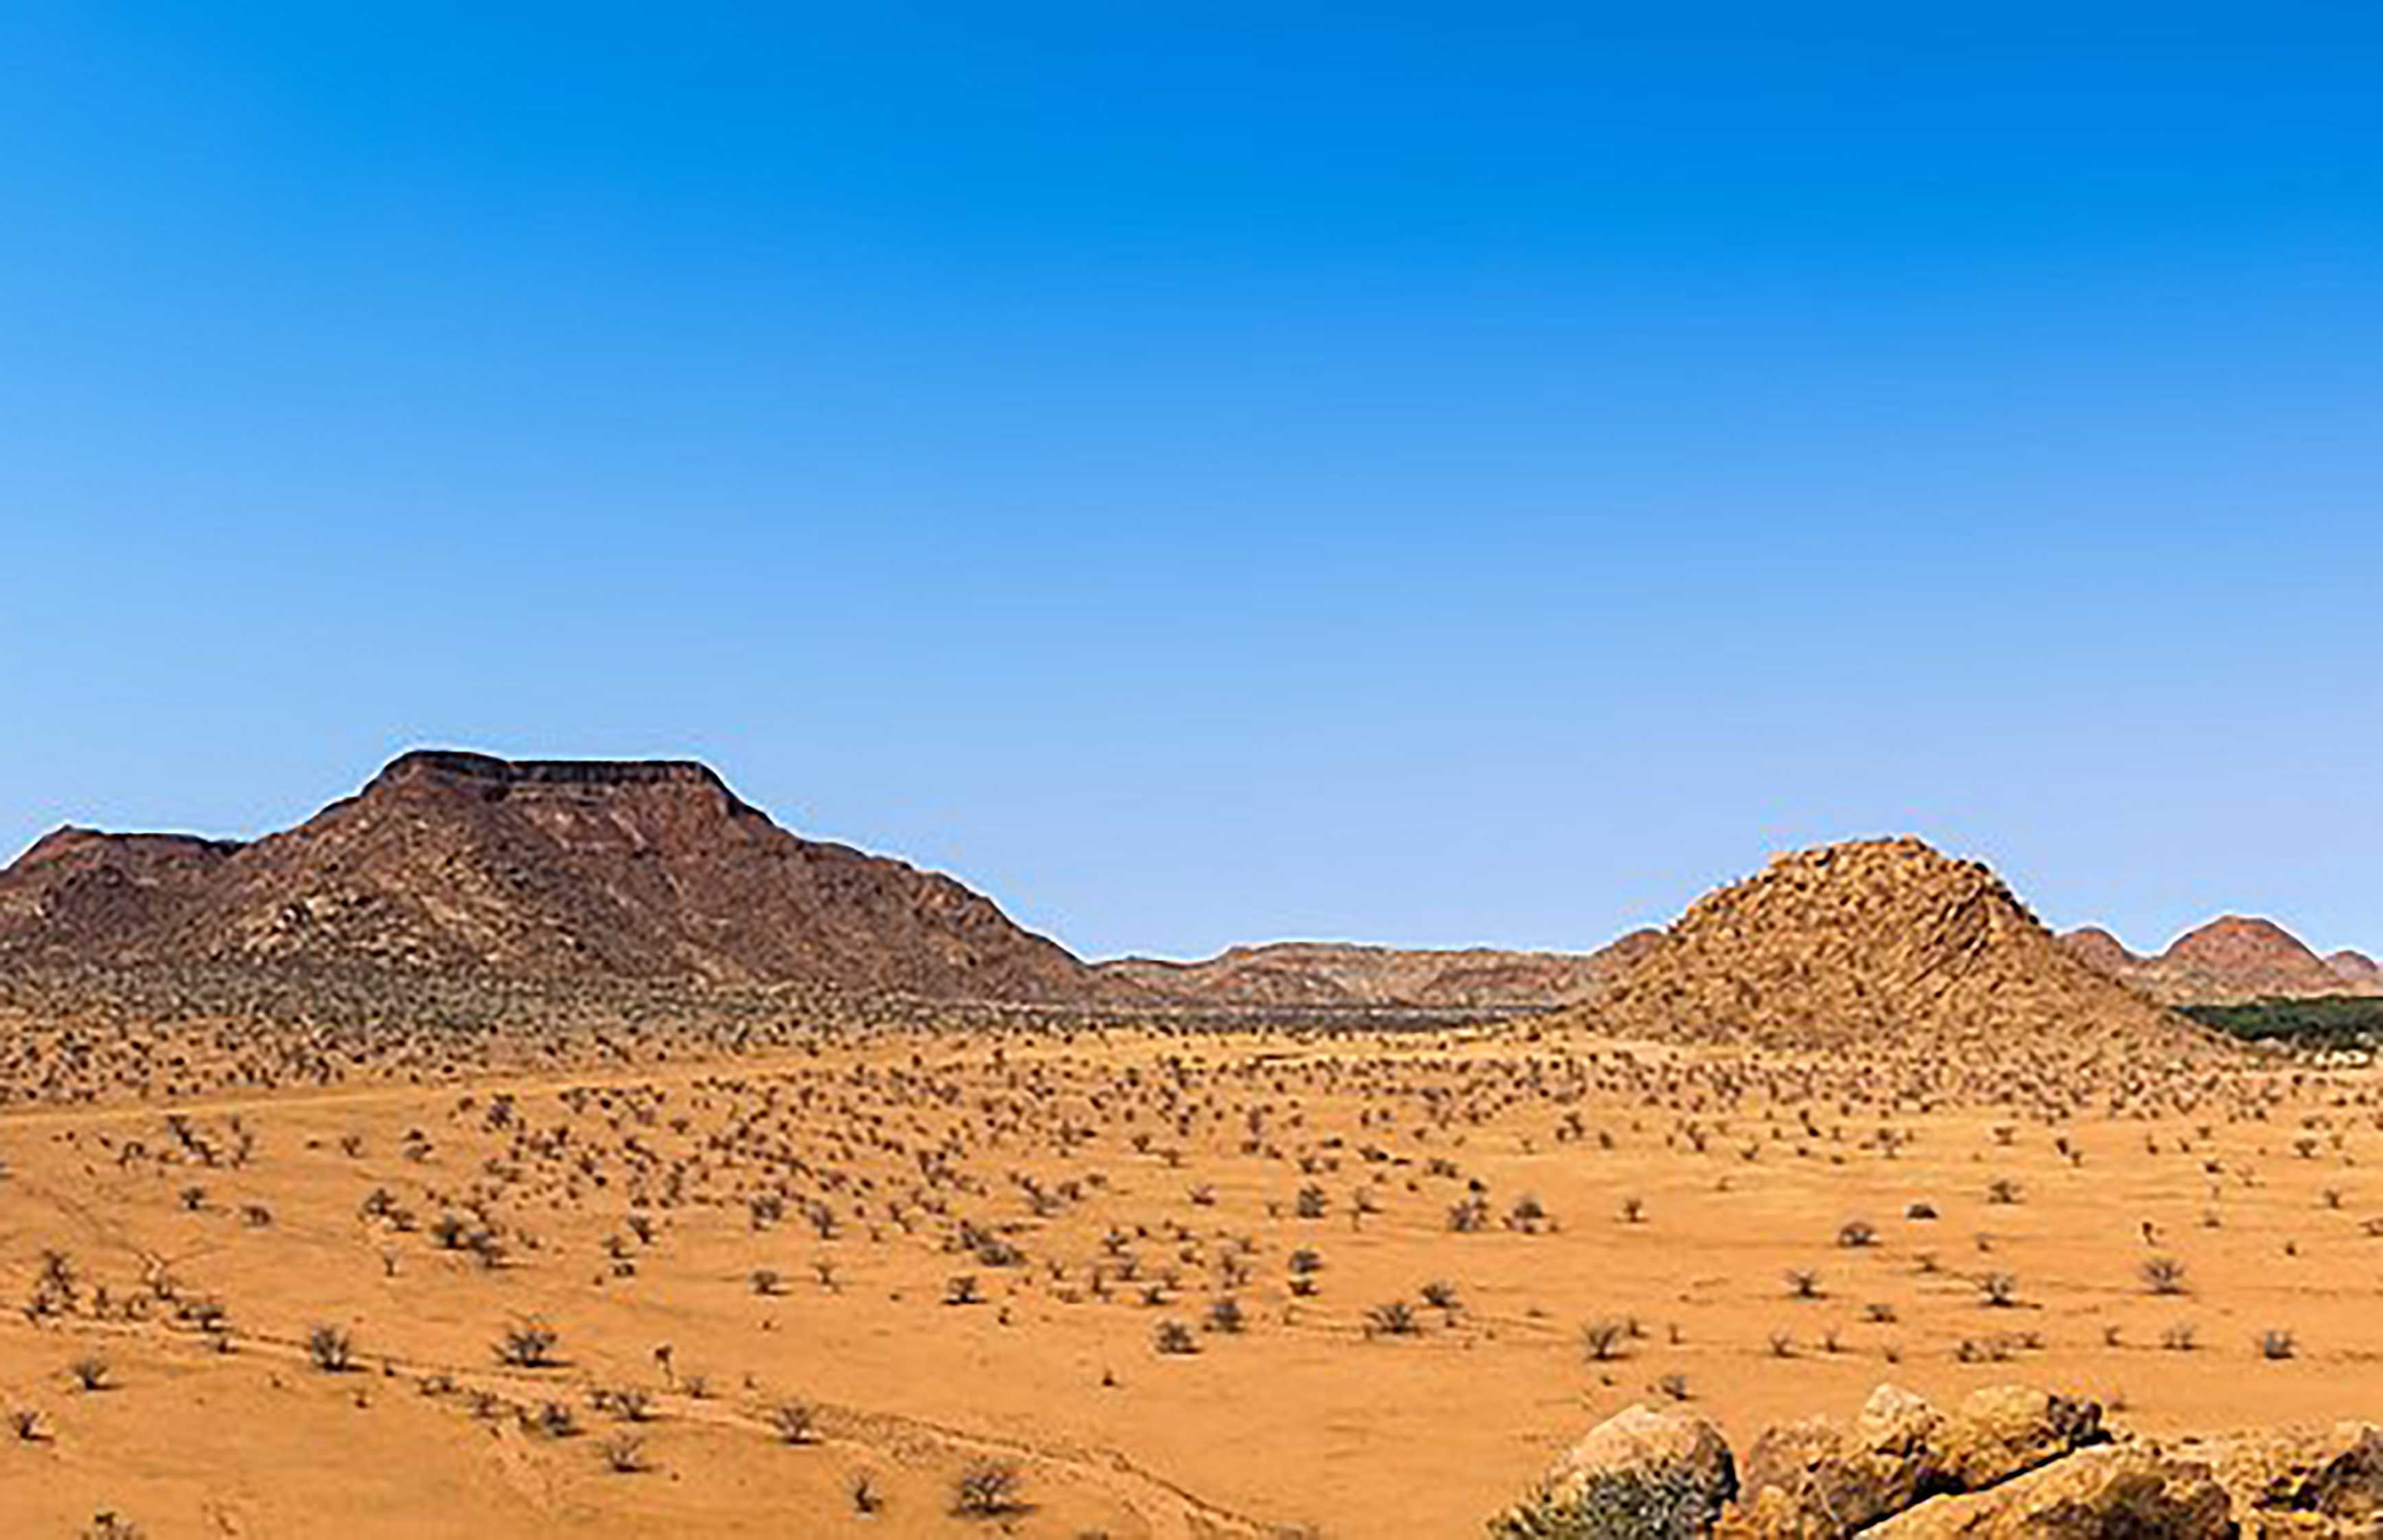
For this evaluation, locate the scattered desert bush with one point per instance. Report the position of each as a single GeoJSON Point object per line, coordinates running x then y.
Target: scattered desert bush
{"type": "Point", "coordinates": [988, 1489]}
{"type": "Point", "coordinates": [794, 1422]}
{"type": "Point", "coordinates": [331, 1349]}
{"type": "Point", "coordinates": [527, 1344]}
{"type": "Point", "coordinates": [1663, 1502]}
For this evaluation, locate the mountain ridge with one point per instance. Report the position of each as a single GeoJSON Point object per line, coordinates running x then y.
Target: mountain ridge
{"type": "Point", "coordinates": [652, 868]}
{"type": "Point", "coordinates": [2228, 960]}
{"type": "Point", "coordinates": [1360, 974]}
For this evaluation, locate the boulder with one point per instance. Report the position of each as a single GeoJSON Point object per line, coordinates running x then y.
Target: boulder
{"type": "Point", "coordinates": [1664, 1475]}
{"type": "Point", "coordinates": [2302, 1481]}
{"type": "Point", "coordinates": [2003, 1430]}
{"type": "Point", "coordinates": [2114, 1492]}
{"type": "Point", "coordinates": [1819, 1479]}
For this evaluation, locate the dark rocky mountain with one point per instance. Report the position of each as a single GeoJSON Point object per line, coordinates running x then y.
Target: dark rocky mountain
{"type": "Point", "coordinates": [548, 868]}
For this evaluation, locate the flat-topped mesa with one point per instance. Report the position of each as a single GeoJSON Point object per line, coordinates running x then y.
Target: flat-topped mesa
{"type": "Point", "coordinates": [464, 862]}
{"type": "Point", "coordinates": [1883, 944]}
{"type": "Point", "coordinates": [462, 767]}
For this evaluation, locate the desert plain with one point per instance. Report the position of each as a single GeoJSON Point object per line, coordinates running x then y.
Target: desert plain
{"type": "Point", "coordinates": [1239, 1282]}
{"type": "Point", "coordinates": [302, 1237]}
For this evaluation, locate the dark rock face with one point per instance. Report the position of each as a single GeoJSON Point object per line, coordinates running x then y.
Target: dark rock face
{"type": "Point", "coordinates": [540, 867]}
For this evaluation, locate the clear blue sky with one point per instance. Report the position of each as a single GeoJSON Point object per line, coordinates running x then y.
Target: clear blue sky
{"type": "Point", "coordinates": [1433, 474]}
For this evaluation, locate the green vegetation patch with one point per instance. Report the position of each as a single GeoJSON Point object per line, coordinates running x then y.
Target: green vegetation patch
{"type": "Point", "coordinates": [2334, 1021]}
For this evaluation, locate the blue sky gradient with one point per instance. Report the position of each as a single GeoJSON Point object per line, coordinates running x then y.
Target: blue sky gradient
{"type": "Point", "coordinates": [1417, 473]}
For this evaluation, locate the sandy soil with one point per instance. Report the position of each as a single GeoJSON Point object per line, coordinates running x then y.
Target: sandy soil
{"type": "Point", "coordinates": [712, 1243]}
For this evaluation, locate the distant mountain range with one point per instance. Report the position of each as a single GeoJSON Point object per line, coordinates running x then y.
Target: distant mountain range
{"type": "Point", "coordinates": [2230, 959]}
{"type": "Point", "coordinates": [654, 869]}
{"type": "Point", "coordinates": [1333, 973]}
{"type": "Point", "coordinates": [646, 869]}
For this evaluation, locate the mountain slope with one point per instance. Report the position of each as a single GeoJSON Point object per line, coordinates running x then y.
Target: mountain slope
{"type": "Point", "coordinates": [92, 891]}
{"type": "Point", "coordinates": [451, 861]}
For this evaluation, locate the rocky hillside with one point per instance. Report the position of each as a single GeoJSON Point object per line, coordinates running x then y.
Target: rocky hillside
{"type": "Point", "coordinates": [1880, 943]}
{"type": "Point", "coordinates": [1339, 974]}
{"type": "Point", "coordinates": [2005, 1463]}
{"type": "Point", "coordinates": [585, 868]}
{"type": "Point", "coordinates": [2232, 958]}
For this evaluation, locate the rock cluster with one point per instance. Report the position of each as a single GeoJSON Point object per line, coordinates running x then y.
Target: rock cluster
{"type": "Point", "coordinates": [2005, 1463]}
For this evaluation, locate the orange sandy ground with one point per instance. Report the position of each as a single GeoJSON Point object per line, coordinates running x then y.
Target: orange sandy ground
{"type": "Point", "coordinates": [1302, 1423]}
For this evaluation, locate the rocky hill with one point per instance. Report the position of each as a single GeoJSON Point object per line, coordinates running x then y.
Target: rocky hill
{"type": "Point", "coordinates": [1340, 974]}
{"type": "Point", "coordinates": [1879, 943]}
{"type": "Point", "coordinates": [2230, 959]}
{"type": "Point", "coordinates": [458, 861]}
